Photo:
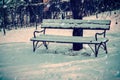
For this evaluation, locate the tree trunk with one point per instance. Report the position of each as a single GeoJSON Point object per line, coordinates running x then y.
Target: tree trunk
{"type": "Point", "coordinates": [76, 6]}
{"type": "Point", "coordinates": [4, 15]}
{"type": "Point", "coordinates": [77, 46]}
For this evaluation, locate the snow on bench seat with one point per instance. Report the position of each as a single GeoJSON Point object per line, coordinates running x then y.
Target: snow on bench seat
{"type": "Point", "coordinates": [69, 39]}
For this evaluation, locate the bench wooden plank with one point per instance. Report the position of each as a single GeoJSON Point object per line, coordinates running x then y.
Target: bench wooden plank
{"type": "Point", "coordinates": [69, 39]}
{"type": "Point", "coordinates": [72, 26]}
{"type": "Point", "coordinates": [76, 23]}
{"type": "Point", "coordinates": [104, 22]}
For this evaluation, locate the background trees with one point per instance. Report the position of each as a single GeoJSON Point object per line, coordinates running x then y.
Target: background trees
{"type": "Point", "coordinates": [16, 13]}
{"type": "Point", "coordinates": [81, 8]}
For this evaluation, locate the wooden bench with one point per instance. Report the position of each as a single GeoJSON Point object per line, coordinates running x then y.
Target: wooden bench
{"type": "Point", "coordinates": [102, 25]}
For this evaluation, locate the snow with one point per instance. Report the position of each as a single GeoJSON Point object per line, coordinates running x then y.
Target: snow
{"type": "Point", "coordinates": [59, 62]}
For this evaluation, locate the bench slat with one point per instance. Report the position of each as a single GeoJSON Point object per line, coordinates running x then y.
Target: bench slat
{"type": "Point", "coordinates": [71, 26]}
{"type": "Point", "coordinates": [68, 39]}
{"type": "Point", "coordinates": [105, 22]}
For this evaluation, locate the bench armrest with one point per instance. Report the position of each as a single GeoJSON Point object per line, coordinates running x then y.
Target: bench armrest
{"type": "Point", "coordinates": [103, 33]}
{"type": "Point", "coordinates": [34, 33]}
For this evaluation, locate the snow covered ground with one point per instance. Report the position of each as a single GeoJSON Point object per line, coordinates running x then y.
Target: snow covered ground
{"type": "Point", "coordinates": [18, 62]}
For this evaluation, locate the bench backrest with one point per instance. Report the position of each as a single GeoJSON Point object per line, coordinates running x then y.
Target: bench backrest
{"type": "Point", "coordinates": [76, 23]}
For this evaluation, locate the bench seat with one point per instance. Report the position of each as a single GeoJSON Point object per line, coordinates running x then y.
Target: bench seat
{"type": "Point", "coordinates": [69, 39]}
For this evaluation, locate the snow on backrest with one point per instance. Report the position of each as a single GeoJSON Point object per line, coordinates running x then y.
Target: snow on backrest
{"type": "Point", "coordinates": [76, 23]}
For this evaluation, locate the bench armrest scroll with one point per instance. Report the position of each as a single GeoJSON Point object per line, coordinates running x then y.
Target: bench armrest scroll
{"type": "Point", "coordinates": [38, 32]}
{"type": "Point", "coordinates": [103, 33]}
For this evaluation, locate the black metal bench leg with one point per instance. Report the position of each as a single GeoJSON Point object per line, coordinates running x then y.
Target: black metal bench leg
{"type": "Point", "coordinates": [45, 45]}
{"type": "Point", "coordinates": [34, 45]}
{"type": "Point", "coordinates": [96, 51]}
{"type": "Point", "coordinates": [97, 46]}
{"type": "Point", "coordinates": [105, 48]}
